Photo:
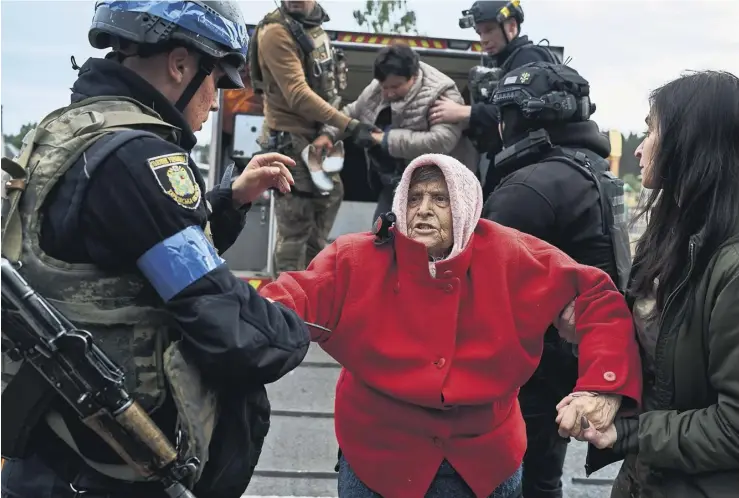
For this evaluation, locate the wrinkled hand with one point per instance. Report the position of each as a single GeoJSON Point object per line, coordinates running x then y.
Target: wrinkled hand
{"type": "Point", "coordinates": [600, 439]}
{"type": "Point", "coordinates": [565, 324]}
{"type": "Point", "coordinates": [445, 110]}
{"type": "Point", "coordinates": [323, 145]}
{"type": "Point", "coordinates": [598, 409]}
{"type": "Point", "coordinates": [263, 172]}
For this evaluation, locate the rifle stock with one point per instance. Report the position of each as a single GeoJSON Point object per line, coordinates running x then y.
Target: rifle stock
{"type": "Point", "coordinates": [89, 381]}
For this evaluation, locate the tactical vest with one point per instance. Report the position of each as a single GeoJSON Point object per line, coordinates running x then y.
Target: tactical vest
{"type": "Point", "coordinates": [121, 310]}
{"type": "Point", "coordinates": [325, 66]}
{"type": "Point", "coordinates": [613, 210]}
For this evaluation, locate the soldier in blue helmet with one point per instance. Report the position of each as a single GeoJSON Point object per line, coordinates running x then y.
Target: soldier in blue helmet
{"type": "Point", "coordinates": [113, 225]}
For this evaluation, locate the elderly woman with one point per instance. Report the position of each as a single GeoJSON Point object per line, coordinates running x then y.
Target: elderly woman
{"type": "Point", "coordinates": [437, 326]}
{"type": "Point", "coordinates": [684, 293]}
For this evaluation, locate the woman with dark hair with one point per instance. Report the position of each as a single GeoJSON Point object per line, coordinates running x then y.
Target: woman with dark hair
{"type": "Point", "coordinates": [684, 295]}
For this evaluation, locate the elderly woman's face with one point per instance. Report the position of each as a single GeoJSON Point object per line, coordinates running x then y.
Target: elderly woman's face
{"type": "Point", "coordinates": [429, 216]}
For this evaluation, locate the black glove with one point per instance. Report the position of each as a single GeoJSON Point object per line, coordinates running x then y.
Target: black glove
{"type": "Point", "coordinates": [361, 134]}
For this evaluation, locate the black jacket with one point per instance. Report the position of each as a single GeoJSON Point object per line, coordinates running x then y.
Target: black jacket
{"type": "Point", "coordinates": [237, 339]}
{"type": "Point", "coordinates": [556, 203]}
{"type": "Point", "coordinates": [484, 117]}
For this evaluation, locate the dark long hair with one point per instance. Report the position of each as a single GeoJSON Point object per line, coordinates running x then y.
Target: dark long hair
{"type": "Point", "coordinates": [696, 165]}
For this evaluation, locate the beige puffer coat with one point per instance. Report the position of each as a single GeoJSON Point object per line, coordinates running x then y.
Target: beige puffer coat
{"type": "Point", "coordinates": [411, 135]}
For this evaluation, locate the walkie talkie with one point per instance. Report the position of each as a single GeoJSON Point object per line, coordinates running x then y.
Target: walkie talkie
{"type": "Point", "coordinates": [382, 227]}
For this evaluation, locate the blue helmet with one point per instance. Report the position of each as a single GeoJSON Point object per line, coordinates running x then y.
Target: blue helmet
{"type": "Point", "coordinates": [215, 29]}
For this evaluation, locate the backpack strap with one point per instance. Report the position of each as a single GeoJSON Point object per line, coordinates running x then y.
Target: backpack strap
{"type": "Point", "coordinates": [581, 163]}
{"type": "Point", "coordinates": [12, 231]}
{"type": "Point", "coordinates": [12, 192]}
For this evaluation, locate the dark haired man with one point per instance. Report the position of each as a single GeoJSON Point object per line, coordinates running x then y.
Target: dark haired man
{"type": "Point", "coordinates": [498, 24]}
{"type": "Point", "coordinates": [397, 103]}
{"type": "Point", "coordinates": [556, 185]}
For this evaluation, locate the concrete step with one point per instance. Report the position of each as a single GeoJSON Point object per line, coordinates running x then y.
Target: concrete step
{"type": "Point", "coordinates": [576, 485]}
{"type": "Point", "coordinates": [292, 487]}
{"type": "Point", "coordinates": [299, 443]}
{"type": "Point", "coordinates": [318, 357]}
{"type": "Point", "coordinates": [305, 389]}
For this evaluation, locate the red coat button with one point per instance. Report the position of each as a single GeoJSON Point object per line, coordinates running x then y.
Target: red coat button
{"type": "Point", "coordinates": [609, 376]}
{"type": "Point", "coordinates": [449, 289]}
{"type": "Point", "coordinates": [440, 363]}
{"type": "Point", "coordinates": [448, 273]}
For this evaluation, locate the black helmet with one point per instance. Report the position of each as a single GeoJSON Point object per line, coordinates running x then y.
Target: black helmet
{"type": "Point", "coordinates": [215, 29]}
{"type": "Point", "coordinates": [484, 11]}
{"type": "Point", "coordinates": [543, 91]}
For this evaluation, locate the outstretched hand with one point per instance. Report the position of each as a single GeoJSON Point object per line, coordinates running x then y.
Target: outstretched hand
{"type": "Point", "coordinates": [263, 172]}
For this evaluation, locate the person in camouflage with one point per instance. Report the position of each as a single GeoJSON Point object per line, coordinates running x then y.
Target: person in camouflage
{"type": "Point", "coordinates": [300, 75]}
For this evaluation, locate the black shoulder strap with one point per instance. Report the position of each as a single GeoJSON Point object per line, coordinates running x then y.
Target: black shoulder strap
{"type": "Point", "coordinates": [99, 151]}
{"type": "Point", "coordinates": [95, 155]}
{"type": "Point", "coordinates": [581, 163]}
{"type": "Point", "coordinates": [506, 67]}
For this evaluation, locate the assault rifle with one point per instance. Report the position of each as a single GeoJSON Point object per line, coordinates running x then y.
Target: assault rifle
{"type": "Point", "coordinates": [89, 381]}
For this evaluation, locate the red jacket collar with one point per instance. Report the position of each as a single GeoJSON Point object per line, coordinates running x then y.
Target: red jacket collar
{"type": "Point", "coordinates": [412, 258]}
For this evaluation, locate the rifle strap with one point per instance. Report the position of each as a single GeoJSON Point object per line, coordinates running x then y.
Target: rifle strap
{"type": "Point", "coordinates": [120, 472]}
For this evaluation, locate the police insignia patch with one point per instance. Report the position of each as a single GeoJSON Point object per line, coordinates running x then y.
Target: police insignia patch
{"type": "Point", "coordinates": [176, 179]}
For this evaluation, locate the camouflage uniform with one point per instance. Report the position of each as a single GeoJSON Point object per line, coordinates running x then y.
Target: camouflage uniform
{"type": "Point", "coordinates": [306, 215]}
{"type": "Point", "coordinates": [121, 310]}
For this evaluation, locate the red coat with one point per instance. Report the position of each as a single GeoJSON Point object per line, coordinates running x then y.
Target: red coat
{"type": "Point", "coordinates": [432, 366]}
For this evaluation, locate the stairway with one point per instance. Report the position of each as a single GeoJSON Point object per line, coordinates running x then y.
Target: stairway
{"type": "Point", "coordinates": [300, 450]}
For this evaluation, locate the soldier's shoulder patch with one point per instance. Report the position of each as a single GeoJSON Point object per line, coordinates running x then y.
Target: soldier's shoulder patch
{"type": "Point", "coordinates": [176, 179]}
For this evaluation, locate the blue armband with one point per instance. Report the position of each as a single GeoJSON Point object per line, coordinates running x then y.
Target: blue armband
{"type": "Point", "coordinates": [175, 263]}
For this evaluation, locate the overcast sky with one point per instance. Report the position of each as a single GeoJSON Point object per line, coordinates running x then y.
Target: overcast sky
{"type": "Point", "coordinates": [625, 48]}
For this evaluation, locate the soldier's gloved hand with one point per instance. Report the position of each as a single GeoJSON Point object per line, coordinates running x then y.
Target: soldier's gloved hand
{"type": "Point", "coordinates": [361, 133]}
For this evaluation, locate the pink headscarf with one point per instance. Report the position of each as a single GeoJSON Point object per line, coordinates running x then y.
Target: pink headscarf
{"type": "Point", "coordinates": [465, 196]}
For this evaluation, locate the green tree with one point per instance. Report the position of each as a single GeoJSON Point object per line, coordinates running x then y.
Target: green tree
{"type": "Point", "coordinates": [389, 17]}
{"type": "Point", "coordinates": [17, 139]}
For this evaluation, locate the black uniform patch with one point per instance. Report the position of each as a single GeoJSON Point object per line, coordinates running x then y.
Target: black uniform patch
{"type": "Point", "coordinates": [176, 179]}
